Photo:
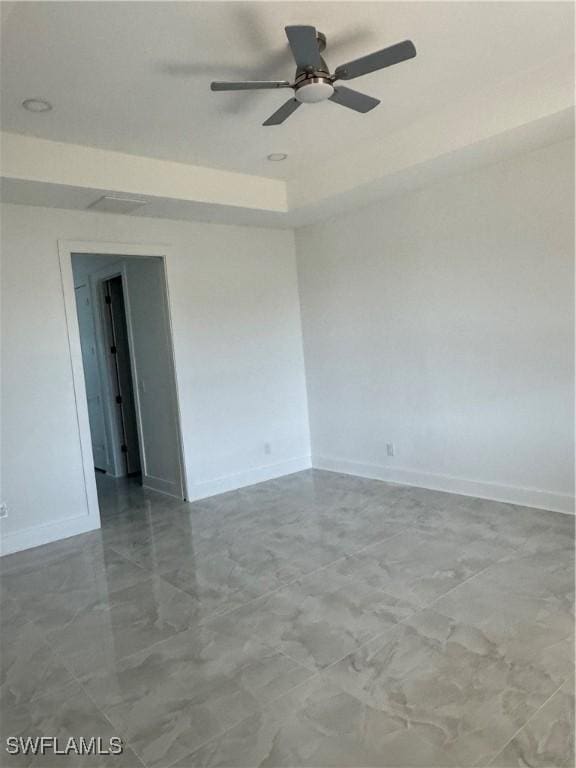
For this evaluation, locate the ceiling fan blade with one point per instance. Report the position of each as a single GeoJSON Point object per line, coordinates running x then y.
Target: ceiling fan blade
{"type": "Point", "coordinates": [304, 47]}
{"type": "Point", "coordinates": [374, 61]}
{"type": "Point", "coordinates": [360, 102]}
{"type": "Point", "coordinates": [248, 85]}
{"type": "Point", "coordinates": [283, 113]}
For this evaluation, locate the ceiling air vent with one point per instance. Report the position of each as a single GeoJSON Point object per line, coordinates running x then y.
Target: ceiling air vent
{"type": "Point", "coordinates": [116, 204]}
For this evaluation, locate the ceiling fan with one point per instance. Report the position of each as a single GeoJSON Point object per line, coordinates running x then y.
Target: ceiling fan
{"type": "Point", "coordinates": [313, 81]}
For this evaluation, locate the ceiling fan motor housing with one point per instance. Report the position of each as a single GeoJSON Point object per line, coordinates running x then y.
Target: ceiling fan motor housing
{"type": "Point", "coordinates": [314, 89]}
{"type": "Point", "coordinates": [314, 86]}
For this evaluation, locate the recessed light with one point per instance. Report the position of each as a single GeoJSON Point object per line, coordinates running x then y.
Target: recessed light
{"type": "Point", "coordinates": [37, 105]}
{"type": "Point", "coordinates": [276, 157]}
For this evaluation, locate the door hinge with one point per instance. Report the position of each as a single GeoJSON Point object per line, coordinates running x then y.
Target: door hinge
{"type": "Point", "coordinates": [113, 349]}
{"type": "Point", "coordinates": [124, 448]}
{"type": "Point", "coordinates": [119, 399]}
{"type": "Point", "coordinates": [108, 299]}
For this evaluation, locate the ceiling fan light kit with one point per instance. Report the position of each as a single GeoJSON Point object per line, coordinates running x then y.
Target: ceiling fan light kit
{"type": "Point", "coordinates": [314, 89]}
{"type": "Point", "coordinates": [314, 83]}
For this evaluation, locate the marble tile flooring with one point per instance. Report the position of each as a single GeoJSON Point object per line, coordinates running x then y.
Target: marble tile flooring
{"type": "Point", "coordinates": [315, 620]}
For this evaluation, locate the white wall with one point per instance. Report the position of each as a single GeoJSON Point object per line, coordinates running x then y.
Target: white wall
{"type": "Point", "coordinates": [238, 348]}
{"type": "Point", "coordinates": [442, 322]}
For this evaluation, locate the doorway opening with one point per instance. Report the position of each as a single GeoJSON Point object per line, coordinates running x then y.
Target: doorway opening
{"type": "Point", "coordinates": [117, 345]}
{"type": "Point", "coordinates": [129, 376]}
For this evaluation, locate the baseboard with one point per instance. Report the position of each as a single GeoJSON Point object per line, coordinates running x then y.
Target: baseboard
{"type": "Point", "coordinates": [251, 477]}
{"type": "Point", "coordinates": [45, 534]}
{"type": "Point", "coordinates": [168, 487]}
{"type": "Point", "coordinates": [527, 497]}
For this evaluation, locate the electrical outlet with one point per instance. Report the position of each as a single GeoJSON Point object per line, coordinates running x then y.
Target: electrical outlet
{"type": "Point", "coordinates": [389, 449]}
{"type": "Point", "coordinates": [267, 449]}
{"type": "Point", "coordinates": [3, 510]}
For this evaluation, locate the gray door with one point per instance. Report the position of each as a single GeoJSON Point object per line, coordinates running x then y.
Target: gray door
{"type": "Point", "coordinates": [155, 379]}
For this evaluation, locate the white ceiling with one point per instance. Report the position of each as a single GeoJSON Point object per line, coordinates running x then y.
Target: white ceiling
{"type": "Point", "coordinates": [134, 76]}
{"type": "Point", "coordinates": [539, 133]}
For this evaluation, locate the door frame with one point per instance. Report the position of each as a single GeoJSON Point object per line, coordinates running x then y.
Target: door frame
{"type": "Point", "coordinates": [66, 248]}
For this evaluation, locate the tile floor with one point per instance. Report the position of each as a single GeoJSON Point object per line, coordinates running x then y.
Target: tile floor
{"type": "Point", "coordinates": [315, 620]}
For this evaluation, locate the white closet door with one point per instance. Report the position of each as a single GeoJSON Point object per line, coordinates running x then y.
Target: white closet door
{"type": "Point", "coordinates": [92, 377]}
